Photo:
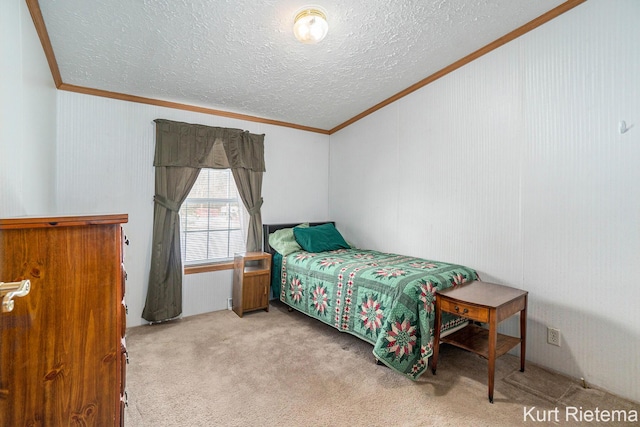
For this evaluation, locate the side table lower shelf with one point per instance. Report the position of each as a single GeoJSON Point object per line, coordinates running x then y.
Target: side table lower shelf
{"type": "Point", "coordinates": [476, 339]}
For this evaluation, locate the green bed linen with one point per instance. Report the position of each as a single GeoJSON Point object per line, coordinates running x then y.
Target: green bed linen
{"type": "Point", "coordinates": [384, 299]}
{"type": "Point", "coordinates": [275, 275]}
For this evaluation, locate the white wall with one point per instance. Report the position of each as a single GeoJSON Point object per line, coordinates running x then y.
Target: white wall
{"type": "Point", "coordinates": [27, 117]}
{"type": "Point", "coordinates": [105, 165]}
{"type": "Point", "coordinates": [514, 165]}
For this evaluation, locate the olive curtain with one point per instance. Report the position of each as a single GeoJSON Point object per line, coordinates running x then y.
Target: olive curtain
{"type": "Point", "coordinates": [182, 149]}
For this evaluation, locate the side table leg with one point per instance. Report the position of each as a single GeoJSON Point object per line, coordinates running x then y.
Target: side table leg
{"type": "Point", "coordinates": [493, 340]}
{"type": "Point", "coordinates": [523, 334]}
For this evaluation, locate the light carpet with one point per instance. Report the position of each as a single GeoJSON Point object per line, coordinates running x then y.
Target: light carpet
{"type": "Point", "coordinates": [285, 369]}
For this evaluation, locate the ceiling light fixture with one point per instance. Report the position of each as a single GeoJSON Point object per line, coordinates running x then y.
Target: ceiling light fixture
{"type": "Point", "coordinates": [310, 25]}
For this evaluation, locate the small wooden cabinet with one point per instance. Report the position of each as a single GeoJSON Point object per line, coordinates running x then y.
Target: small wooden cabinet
{"type": "Point", "coordinates": [251, 281]}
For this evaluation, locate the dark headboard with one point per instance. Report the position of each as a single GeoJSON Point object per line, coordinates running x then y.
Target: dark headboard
{"type": "Point", "coordinates": [270, 228]}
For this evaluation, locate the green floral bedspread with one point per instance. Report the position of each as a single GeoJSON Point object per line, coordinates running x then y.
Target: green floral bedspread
{"type": "Point", "coordinates": [384, 299]}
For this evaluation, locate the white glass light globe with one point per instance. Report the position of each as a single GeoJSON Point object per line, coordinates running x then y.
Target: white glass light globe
{"type": "Point", "coordinates": [310, 25]}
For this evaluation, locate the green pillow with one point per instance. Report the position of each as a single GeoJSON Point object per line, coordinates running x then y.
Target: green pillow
{"type": "Point", "coordinates": [283, 241]}
{"type": "Point", "coordinates": [320, 238]}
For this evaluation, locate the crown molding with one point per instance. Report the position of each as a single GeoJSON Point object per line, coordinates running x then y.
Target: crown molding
{"type": "Point", "coordinates": [38, 21]}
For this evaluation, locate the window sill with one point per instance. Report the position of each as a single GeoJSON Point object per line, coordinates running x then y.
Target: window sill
{"type": "Point", "coordinates": [203, 268]}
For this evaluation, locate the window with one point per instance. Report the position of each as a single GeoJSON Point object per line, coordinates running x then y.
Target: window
{"type": "Point", "coordinates": [213, 219]}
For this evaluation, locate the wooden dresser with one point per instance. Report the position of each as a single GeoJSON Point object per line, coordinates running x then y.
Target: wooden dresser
{"type": "Point", "coordinates": [62, 345]}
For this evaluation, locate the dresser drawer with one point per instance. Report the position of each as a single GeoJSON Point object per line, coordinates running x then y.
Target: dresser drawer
{"type": "Point", "coordinates": [479, 314]}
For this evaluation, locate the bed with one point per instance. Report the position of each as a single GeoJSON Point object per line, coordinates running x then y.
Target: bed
{"type": "Point", "coordinates": [382, 298]}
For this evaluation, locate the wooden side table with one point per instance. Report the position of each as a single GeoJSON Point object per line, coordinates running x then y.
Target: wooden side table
{"type": "Point", "coordinates": [486, 303]}
{"type": "Point", "coordinates": [251, 281]}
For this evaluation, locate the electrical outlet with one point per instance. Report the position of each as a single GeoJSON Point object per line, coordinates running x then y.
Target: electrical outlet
{"type": "Point", "coordinates": [553, 336]}
{"type": "Point", "coordinates": [229, 304]}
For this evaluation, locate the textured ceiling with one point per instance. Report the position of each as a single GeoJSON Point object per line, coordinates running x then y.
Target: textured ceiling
{"type": "Point", "coordinates": [241, 56]}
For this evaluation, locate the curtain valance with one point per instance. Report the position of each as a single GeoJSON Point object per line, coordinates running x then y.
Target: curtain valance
{"type": "Point", "coordinates": [199, 146]}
